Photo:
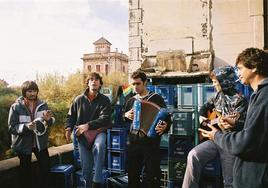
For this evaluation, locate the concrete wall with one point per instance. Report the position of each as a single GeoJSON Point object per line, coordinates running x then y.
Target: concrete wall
{"type": "Point", "coordinates": [9, 174]}
{"type": "Point", "coordinates": [237, 24]}
{"type": "Point", "coordinates": [222, 27]}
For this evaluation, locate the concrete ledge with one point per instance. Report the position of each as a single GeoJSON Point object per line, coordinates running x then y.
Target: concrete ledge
{"type": "Point", "coordinates": [9, 168]}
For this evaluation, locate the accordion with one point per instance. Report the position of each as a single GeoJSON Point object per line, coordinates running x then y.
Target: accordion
{"type": "Point", "coordinates": [147, 116]}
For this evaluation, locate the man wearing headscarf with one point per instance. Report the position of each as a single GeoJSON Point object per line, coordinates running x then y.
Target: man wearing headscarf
{"type": "Point", "coordinates": [226, 102]}
{"type": "Point", "coordinates": [250, 144]}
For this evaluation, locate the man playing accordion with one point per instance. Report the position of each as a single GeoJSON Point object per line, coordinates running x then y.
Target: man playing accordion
{"type": "Point", "coordinates": [142, 149]}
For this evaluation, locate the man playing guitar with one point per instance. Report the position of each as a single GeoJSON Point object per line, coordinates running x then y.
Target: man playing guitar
{"type": "Point", "coordinates": [224, 108]}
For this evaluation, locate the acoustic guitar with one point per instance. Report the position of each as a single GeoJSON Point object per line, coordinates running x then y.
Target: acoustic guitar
{"type": "Point", "coordinates": [214, 119]}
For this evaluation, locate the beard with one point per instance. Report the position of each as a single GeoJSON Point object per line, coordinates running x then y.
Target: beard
{"type": "Point", "coordinates": [32, 97]}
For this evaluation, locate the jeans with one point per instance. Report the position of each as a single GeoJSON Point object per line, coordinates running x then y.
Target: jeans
{"type": "Point", "coordinates": [93, 156]}
{"type": "Point", "coordinates": [199, 156]}
{"type": "Point", "coordinates": [25, 169]}
{"type": "Point", "coordinates": [139, 154]}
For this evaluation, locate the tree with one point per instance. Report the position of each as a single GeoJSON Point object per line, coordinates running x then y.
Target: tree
{"type": "Point", "coordinates": [58, 92]}
{"type": "Point", "coordinates": [3, 83]}
{"type": "Point", "coordinates": [115, 79]}
{"type": "Point", "coordinates": [7, 97]}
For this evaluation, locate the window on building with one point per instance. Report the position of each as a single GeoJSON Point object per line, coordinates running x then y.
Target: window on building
{"type": "Point", "coordinates": [265, 17]}
{"type": "Point", "coordinates": [97, 68]}
{"type": "Point", "coordinates": [106, 69]}
{"type": "Point", "coordinates": [89, 68]}
{"type": "Point", "coordinates": [124, 70]}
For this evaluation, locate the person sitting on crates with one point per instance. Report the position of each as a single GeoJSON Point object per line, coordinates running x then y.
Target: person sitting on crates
{"type": "Point", "coordinates": [143, 149]}
{"type": "Point", "coordinates": [250, 144]}
{"type": "Point", "coordinates": [227, 104]}
{"type": "Point", "coordinates": [90, 116]}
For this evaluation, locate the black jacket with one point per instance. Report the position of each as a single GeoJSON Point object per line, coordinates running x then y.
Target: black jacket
{"type": "Point", "coordinates": [251, 144]}
{"type": "Point", "coordinates": [96, 113]}
{"type": "Point", "coordinates": [140, 137]}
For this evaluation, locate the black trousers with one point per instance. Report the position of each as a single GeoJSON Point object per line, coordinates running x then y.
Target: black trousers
{"type": "Point", "coordinates": [25, 169]}
{"type": "Point", "coordinates": [147, 155]}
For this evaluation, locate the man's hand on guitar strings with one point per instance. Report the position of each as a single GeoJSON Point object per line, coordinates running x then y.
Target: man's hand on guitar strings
{"type": "Point", "coordinates": [209, 134]}
{"type": "Point", "coordinates": [226, 123]}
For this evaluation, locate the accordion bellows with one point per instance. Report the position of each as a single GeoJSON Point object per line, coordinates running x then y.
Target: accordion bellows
{"type": "Point", "coordinates": [146, 117]}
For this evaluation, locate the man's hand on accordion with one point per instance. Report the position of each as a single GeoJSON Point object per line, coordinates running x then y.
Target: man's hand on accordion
{"type": "Point", "coordinates": [161, 127]}
{"type": "Point", "coordinates": [130, 114]}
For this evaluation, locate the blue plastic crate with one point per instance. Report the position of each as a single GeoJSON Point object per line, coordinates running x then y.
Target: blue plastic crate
{"type": "Point", "coordinates": [205, 92]}
{"type": "Point", "coordinates": [179, 147]}
{"type": "Point", "coordinates": [117, 139]}
{"type": "Point", "coordinates": [117, 116]}
{"type": "Point", "coordinates": [187, 96]}
{"type": "Point", "coordinates": [183, 121]}
{"type": "Point", "coordinates": [167, 92]}
{"type": "Point", "coordinates": [62, 176]}
{"type": "Point", "coordinates": [176, 169]}
{"type": "Point", "coordinates": [163, 156]}
{"type": "Point", "coordinates": [212, 168]}
{"type": "Point", "coordinates": [164, 141]}
{"type": "Point", "coordinates": [150, 88]}
{"type": "Point", "coordinates": [116, 160]}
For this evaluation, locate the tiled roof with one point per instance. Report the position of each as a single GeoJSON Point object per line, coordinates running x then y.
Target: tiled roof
{"type": "Point", "coordinates": [102, 41]}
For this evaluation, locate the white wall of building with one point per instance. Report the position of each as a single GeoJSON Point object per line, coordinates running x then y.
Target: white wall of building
{"type": "Point", "coordinates": [224, 27]}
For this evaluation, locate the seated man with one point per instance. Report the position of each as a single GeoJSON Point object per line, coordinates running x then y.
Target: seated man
{"type": "Point", "coordinates": [90, 111]}
{"type": "Point", "coordinates": [226, 102]}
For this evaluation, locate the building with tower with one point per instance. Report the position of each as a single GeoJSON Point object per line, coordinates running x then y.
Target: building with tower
{"type": "Point", "coordinates": [103, 60]}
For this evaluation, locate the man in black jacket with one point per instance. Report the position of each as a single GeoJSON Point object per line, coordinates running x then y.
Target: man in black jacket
{"type": "Point", "coordinates": [249, 145]}
{"type": "Point", "coordinates": [142, 149]}
{"type": "Point", "coordinates": [90, 111]}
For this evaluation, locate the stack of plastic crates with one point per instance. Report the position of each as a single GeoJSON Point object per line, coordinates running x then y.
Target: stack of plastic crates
{"type": "Point", "coordinates": [116, 145]}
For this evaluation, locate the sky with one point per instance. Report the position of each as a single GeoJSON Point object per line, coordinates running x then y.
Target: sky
{"type": "Point", "coordinates": [51, 36]}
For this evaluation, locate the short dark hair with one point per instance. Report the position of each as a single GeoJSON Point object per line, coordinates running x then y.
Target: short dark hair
{"type": "Point", "coordinates": [28, 85]}
{"type": "Point", "coordinates": [139, 74]}
{"type": "Point", "coordinates": [94, 75]}
{"type": "Point", "coordinates": [254, 58]}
